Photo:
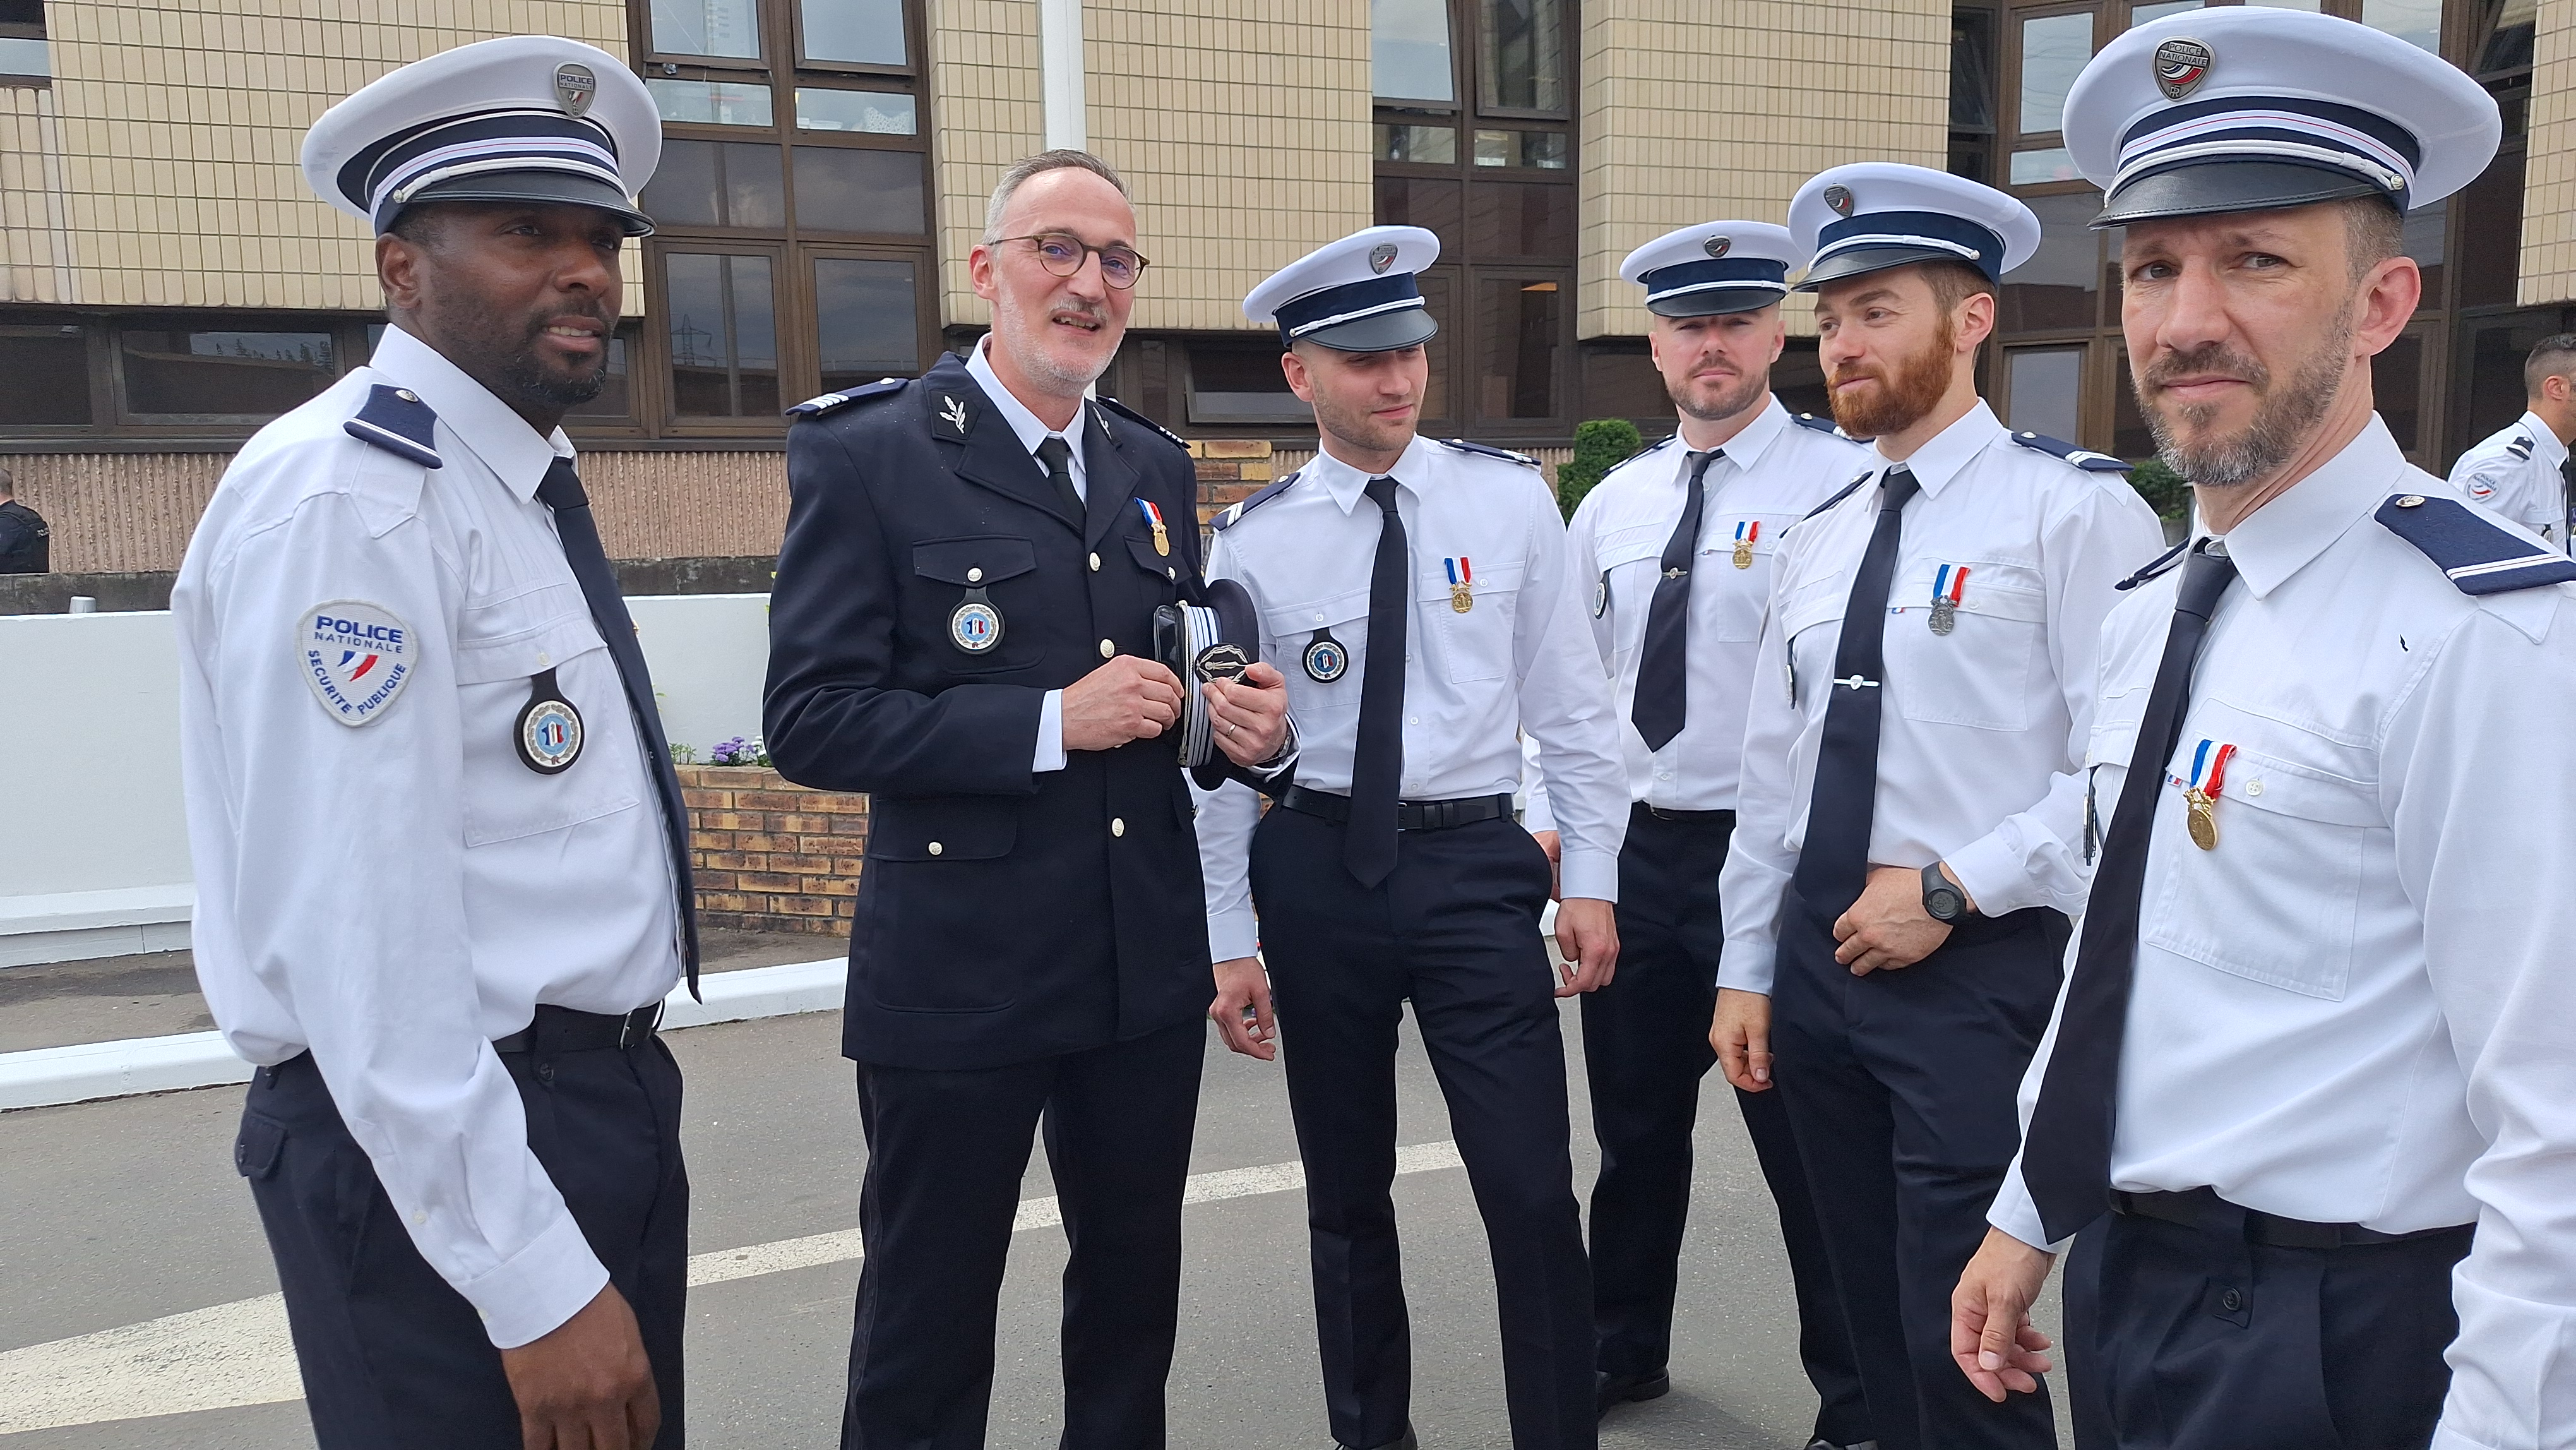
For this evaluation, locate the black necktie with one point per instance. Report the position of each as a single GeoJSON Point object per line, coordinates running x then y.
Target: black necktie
{"type": "Point", "coordinates": [1663, 669]}
{"type": "Point", "coordinates": [1833, 864]}
{"type": "Point", "coordinates": [2066, 1155]}
{"type": "Point", "coordinates": [1377, 761]}
{"type": "Point", "coordinates": [2567, 498]}
{"type": "Point", "coordinates": [562, 492]}
{"type": "Point", "coordinates": [1057, 455]}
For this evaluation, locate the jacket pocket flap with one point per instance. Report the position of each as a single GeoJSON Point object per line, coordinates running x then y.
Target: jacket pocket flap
{"type": "Point", "coordinates": [528, 653]}
{"type": "Point", "coordinates": [2272, 785]}
{"type": "Point", "coordinates": [256, 1151]}
{"type": "Point", "coordinates": [1161, 566]}
{"type": "Point", "coordinates": [1289, 620]}
{"type": "Point", "coordinates": [943, 828]}
{"type": "Point", "coordinates": [978, 560]}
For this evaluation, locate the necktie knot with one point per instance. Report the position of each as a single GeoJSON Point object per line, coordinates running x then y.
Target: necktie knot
{"type": "Point", "coordinates": [1381, 491]}
{"type": "Point", "coordinates": [2204, 578]}
{"type": "Point", "coordinates": [561, 488]}
{"type": "Point", "coordinates": [1699, 462]}
{"type": "Point", "coordinates": [1898, 488]}
{"type": "Point", "coordinates": [1055, 453]}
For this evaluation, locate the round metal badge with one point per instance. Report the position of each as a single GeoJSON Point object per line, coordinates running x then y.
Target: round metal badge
{"type": "Point", "coordinates": [1838, 200]}
{"type": "Point", "coordinates": [1326, 659]}
{"type": "Point", "coordinates": [1717, 246]}
{"type": "Point", "coordinates": [976, 626]}
{"type": "Point", "coordinates": [548, 733]}
{"type": "Point", "coordinates": [2181, 64]}
{"type": "Point", "coordinates": [1381, 257]}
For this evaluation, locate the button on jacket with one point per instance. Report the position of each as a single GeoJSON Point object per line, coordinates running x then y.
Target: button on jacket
{"type": "Point", "coordinates": [396, 894]}
{"type": "Point", "coordinates": [2515, 473]}
{"type": "Point", "coordinates": [1518, 659]}
{"type": "Point", "coordinates": [1985, 727]}
{"type": "Point", "coordinates": [2355, 1008]}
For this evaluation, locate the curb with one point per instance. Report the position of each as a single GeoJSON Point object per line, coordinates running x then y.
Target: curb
{"type": "Point", "coordinates": [89, 1071]}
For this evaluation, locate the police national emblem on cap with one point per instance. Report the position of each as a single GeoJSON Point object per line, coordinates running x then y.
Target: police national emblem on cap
{"type": "Point", "coordinates": [1354, 295]}
{"type": "Point", "coordinates": [2249, 108]}
{"type": "Point", "coordinates": [523, 118]}
{"type": "Point", "coordinates": [1873, 215]}
{"type": "Point", "coordinates": [1716, 267]}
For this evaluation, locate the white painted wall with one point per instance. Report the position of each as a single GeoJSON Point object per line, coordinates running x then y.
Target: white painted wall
{"type": "Point", "coordinates": [709, 654]}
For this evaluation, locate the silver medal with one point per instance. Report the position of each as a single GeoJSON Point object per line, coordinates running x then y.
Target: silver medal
{"type": "Point", "coordinates": [1945, 616]}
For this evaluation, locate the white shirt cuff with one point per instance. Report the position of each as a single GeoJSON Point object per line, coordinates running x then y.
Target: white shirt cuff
{"type": "Point", "coordinates": [1050, 752]}
{"type": "Point", "coordinates": [2015, 1213]}
{"type": "Point", "coordinates": [530, 1294]}
{"type": "Point", "coordinates": [1234, 932]}
{"type": "Point", "coordinates": [1590, 874]}
{"type": "Point", "coordinates": [1993, 876]}
{"type": "Point", "coordinates": [1746, 969]}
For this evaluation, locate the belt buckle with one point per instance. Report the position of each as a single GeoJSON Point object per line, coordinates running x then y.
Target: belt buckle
{"type": "Point", "coordinates": [628, 1036]}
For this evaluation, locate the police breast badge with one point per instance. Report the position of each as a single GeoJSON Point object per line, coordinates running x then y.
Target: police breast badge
{"type": "Point", "coordinates": [356, 657]}
{"type": "Point", "coordinates": [548, 733]}
{"type": "Point", "coordinates": [1326, 658]}
{"type": "Point", "coordinates": [975, 626]}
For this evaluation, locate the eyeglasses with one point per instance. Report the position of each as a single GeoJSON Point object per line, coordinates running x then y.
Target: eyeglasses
{"type": "Point", "coordinates": [1062, 254]}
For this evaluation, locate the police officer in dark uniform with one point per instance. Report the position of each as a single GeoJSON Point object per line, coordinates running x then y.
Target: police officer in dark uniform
{"type": "Point", "coordinates": [963, 627]}
{"type": "Point", "coordinates": [25, 542]}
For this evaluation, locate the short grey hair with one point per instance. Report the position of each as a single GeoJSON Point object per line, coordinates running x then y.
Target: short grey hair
{"type": "Point", "coordinates": [2551, 359]}
{"type": "Point", "coordinates": [1060, 159]}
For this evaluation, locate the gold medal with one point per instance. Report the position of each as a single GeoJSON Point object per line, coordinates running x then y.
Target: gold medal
{"type": "Point", "coordinates": [2200, 794]}
{"type": "Point", "coordinates": [2201, 816]}
{"type": "Point", "coordinates": [1744, 553]}
{"type": "Point", "coordinates": [1460, 598]}
{"type": "Point", "coordinates": [1462, 580]}
{"type": "Point", "coordinates": [1162, 539]}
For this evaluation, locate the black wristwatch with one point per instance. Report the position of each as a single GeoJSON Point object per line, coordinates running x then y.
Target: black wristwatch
{"type": "Point", "coordinates": [1942, 901]}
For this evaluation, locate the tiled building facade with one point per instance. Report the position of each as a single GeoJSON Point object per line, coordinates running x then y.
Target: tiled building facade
{"type": "Point", "coordinates": [166, 281]}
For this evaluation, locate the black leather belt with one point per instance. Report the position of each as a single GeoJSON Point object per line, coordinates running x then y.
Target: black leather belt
{"type": "Point", "coordinates": [561, 1029]}
{"type": "Point", "coordinates": [1409, 815]}
{"type": "Point", "coordinates": [1662, 814]}
{"type": "Point", "coordinates": [2202, 1208]}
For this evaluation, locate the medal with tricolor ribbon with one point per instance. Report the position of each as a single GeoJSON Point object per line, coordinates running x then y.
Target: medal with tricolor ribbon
{"type": "Point", "coordinates": [1154, 521]}
{"type": "Point", "coordinates": [1461, 579]}
{"type": "Point", "coordinates": [1948, 587]}
{"type": "Point", "coordinates": [2200, 793]}
{"type": "Point", "coordinates": [1746, 532]}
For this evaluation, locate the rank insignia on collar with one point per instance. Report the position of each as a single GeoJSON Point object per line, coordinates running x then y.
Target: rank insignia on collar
{"type": "Point", "coordinates": [952, 414]}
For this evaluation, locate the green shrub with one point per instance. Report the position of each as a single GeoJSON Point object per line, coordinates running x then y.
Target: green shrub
{"type": "Point", "coordinates": [1600, 445]}
{"type": "Point", "coordinates": [2165, 491]}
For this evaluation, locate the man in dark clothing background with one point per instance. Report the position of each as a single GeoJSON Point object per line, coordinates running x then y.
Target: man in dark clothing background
{"type": "Point", "coordinates": [25, 542]}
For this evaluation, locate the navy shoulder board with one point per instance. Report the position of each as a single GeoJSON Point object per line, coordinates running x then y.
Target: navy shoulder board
{"type": "Point", "coordinates": [1463, 446]}
{"type": "Point", "coordinates": [397, 421]}
{"type": "Point", "coordinates": [1840, 494]}
{"type": "Point", "coordinates": [1230, 517]}
{"type": "Point", "coordinates": [1642, 452]}
{"type": "Point", "coordinates": [2520, 448]}
{"type": "Point", "coordinates": [1132, 416]}
{"type": "Point", "coordinates": [2084, 458]}
{"type": "Point", "coordinates": [2477, 556]}
{"type": "Point", "coordinates": [816, 407]}
{"type": "Point", "coordinates": [2161, 564]}
{"type": "Point", "coordinates": [1812, 422]}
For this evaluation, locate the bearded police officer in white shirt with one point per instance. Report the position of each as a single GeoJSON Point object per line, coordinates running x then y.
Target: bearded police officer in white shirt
{"type": "Point", "coordinates": [2519, 471]}
{"type": "Point", "coordinates": [1419, 599]}
{"type": "Point", "coordinates": [1909, 825]}
{"type": "Point", "coordinates": [441, 854]}
{"type": "Point", "coordinates": [2313, 1046]}
{"type": "Point", "coordinates": [1677, 543]}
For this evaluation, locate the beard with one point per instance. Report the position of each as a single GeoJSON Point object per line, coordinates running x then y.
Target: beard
{"type": "Point", "coordinates": [2282, 419]}
{"type": "Point", "coordinates": [505, 359]}
{"type": "Point", "coordinates": [1718, 402]}
{"type": "Point", "coordinates": [1069, 376]}
{"type": "Point", "coordinates": [1897, 404]}
{"type": "Point", "coordinates": [1362, 428]}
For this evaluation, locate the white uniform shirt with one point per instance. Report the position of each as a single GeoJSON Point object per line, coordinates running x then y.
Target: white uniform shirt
{"type": "Point", "coordinates": [1519, 659]}
{"type": "Point", "coordinates": [2356, 1009]}
{"type": "Point", "coordinates": [1031, 430]}
{"type": "Point", "coordinates": [2515, 473]}
{"type": "Point", "coordinates": [396, 894]}
{"type": "Point", "coordinates": [1983, 729]}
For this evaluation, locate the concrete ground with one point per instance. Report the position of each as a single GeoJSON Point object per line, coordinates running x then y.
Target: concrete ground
{"type": "Point", "coordinates": [116, 1213]}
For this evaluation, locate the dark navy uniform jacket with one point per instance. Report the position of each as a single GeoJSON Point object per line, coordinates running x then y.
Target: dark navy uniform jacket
{"type": "Point", "coordinates": [1003, 915]}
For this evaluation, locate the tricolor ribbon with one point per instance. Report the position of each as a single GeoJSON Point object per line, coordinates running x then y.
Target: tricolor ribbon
{"type": "Point", "coordinates": [1748, 531]}
{"type": "Point", "coordinates": [2209, 768]}
{"type": "Point", "coordinates": [1153, 515]}
{"type": "Point", "coordinates": [1951, 583]}
{"type": "Point", "coordinates": [1459, 572]}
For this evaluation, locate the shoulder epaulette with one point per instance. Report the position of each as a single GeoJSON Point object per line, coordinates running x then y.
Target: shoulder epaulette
{"type": "Point", "coordinates": [397, 421]}
{"type": "Point", "coordinates": [1815, 424]}
{"type": "Point", "coordinates": [816, 407]}
{"type": "Point", "coordinates": [1463, 446]}
{"type": "Point", "coordinates": [2520, 448]}
{"type": "Point", "coordinates": [2084, 458]}
{"type": "Point", "coordinates": [1840, 494]}
{"type": "Point", "coordinates": [2476, 555]}
{"type": "Point", "coordinates": [1230, 517]}
{"type": "Point", "coordinates": [1640, 453]}
{"type": "Point", "coordinates": [2161, 564]}
{"type": "Point", "coordinates": [1132, 416]}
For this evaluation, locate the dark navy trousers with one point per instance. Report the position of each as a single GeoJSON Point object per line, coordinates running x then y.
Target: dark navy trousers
{"type": "Point", "coordinates": [1455, 931]}
{"type": "Point", "coordinates": [946, 1151]}
{"type": "Point", "coordinates": [395, 1359]}
{"type": "Point", "coordinates": [2205, 1341]}
{"type": "Point", "coordinates": [1645, 1050]}
{"type": "Point", "coordinates": [1901, 1086]}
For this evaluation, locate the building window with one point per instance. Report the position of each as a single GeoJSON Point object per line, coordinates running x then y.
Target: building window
{"type": "Point", "coordinates": [47, 376]}
{"type": "Point", "coordinates": [23, 57]}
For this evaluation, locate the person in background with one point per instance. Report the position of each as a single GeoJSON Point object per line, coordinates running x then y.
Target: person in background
{"type": "Point", "coordinates": [2520, 470]}
{"type": "Point", "coordinates": [25, 541]}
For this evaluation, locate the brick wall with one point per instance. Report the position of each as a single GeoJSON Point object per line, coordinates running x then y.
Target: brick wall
{"type": "Point", "coordinates": [772, 856]}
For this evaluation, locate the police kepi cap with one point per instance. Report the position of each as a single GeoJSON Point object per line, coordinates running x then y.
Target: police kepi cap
{"type": "Point", "coordinates": [1354, 295]}
{"type": "Point", "coordinates": [518, 119]}
{"type": "Point", "coordinates": [2248, 108]}
{"type": "Point", "coordinates": [1872, 215]}
{"type": "Point", "coordinates": [1215, 640]}
{"type": "Point", "coordinates": [1715, 267]}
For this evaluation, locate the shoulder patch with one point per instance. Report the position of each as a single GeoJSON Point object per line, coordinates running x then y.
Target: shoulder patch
{"type": "Point", "coordinates": [1132, 416]}
{"type": "Point", "coordinates": [2476, 555]}
{"type": "Point", "coordinates": [816, 407]}
{"type": "Point", "coordinates": [2084, 458]}
{"type": "Point", "coordinates": [356, 655]}
{"type": "Point", "coordinates": [1813, 423]}
{"type": "Point", "coordinates": [1230, 517]}
{"type": "Point", "coordinates": [1463, 446]}
{"type": "Point", "coordinates": [397, 421]}
{"type": "Point", "coordinates": [1840, 494]}
{"type": "Point", "coordinates": [2161, 564]}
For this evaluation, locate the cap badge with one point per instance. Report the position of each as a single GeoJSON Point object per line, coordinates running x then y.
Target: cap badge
{"type": "Point", "coordinates": [1717, 246]}
{"type": "Point", "coordinates": [2181, 65]}
{"type": "Point", "coordinates": [1381, 257]}
{"type": "Point", "coordinates": [1838, 199]}
{"type": "Point", "coordinates": [574, 86]}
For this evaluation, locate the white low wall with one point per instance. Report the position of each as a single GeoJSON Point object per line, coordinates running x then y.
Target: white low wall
{"type": "Point", "coordinates": [93, 840]}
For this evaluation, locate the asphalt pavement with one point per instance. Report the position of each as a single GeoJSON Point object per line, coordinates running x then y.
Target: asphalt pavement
{"type": "Point", "coordinates": [124, 1213]}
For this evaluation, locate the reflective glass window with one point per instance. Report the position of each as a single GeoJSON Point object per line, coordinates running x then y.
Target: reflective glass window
{"type": "Point", "coordinates": [877, 113]}
{"type": "Point", "coordinates": [22, 55]}
{"type": "Point", "coordinates": [716, 184]}
{"type": "Point", "coordinates": [1972, 70]}
{"type": "Point", "coordinates": [1520, 322]}
{"type": "Point", "coordinates": [228, 374]}
{"type": "Point", "coordinates": [2141, 14]}
{"type": "Point", "coordinates": [2054, 49]}
{"type": "Point", "coordinates": [856, 32]}
{"type": "Point", "coordinates": [864, 318]}
{"type": "Point", "coordinates": [2056, 163]}
{"type": "Point", "coordinates": [722, 315]}
{"type": "Point", "coordinates": [2417, 22]}
{"type": "Point", "coordinates": [707, 27]}
{"type": "Point", "coordinates": [1423, 145]}
{"type": "Point", "coordinates": [1409, 50]}
{"type": "Point", "coordinates": [1422, 201]}
{"type": "Point", "coordinates": [1525, 66]}
{"type": "Point", "coordinates": [845, 189]}
{"type": "Point", "coordinates": [2046, 386]}
{"type": "Point", "coordinates": [44, 376]}
{"type": "Point", "coordinates": [2056, 288]}
{"type": "Point", "coordinates": [711, 103]}
{"type": "Point", "coordinates": [1508, 219]}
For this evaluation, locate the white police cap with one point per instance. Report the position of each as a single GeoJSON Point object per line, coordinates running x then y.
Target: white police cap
{"type": "Point", "coordinates": [2248, 108]}
{"type": "Point", "coordinates": [1730, 266]}
{"type": "Point", "coordinates": [521, 118]}
{"type": "Point", "coordinates": [1354, 295]}
{"type": "Point", "coordinates": [1872, 215]}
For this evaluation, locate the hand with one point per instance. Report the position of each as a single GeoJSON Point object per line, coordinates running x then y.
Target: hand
{"type": "Point", "coordinates": [1990, 1330]}
{"type": "Point", "coordinates": [585, 1384]}
{"type": "Point", "coordinates": [1741, 1032]}
{"type": "Point", "coordinates": [1242, 984]}
{"type": "Point", "coordinates": [1125, 699]}
{"type": "Point", "coordinates": [1587, 936]}
{"type": "Point", "coordinates": [1554, 846]}
{"type": "Point", "coordinates": [1250, 717]}
{"type": "Point", "coordinates": [1888, 928]}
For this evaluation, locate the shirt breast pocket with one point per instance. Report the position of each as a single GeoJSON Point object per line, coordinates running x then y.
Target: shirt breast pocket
{"type": "Point", "coordinates": [500, 650]}
{"type": "Point", "coordinates": [1985, 672]}
{"type": "Point", "coordinates": [1322, 638]}
{"type": "Point", "coordinates": [2277, 899]}
{"type": "Point", "coordinates": [1734, 598]}
{"type": "Point", "coordinates": [1631, 560]}
{"type": "Point", "coordinates": [1475, 644]}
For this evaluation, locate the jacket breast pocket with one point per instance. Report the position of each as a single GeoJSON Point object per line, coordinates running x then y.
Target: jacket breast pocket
{"type": "Point", "coordinates": [1475, 644]}
{"type": "Point", "coordinates": [1985, 672]}
{"type": "Point", "coordinates": [495, 678]}
{"type": "Point", "coordinates": [2276, 823]}
{"type": "Point", "coordinates": [978, 586]}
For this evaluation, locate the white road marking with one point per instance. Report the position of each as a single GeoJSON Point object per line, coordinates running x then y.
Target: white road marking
{"type": "Point", "coordinates": [239, 1353]}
